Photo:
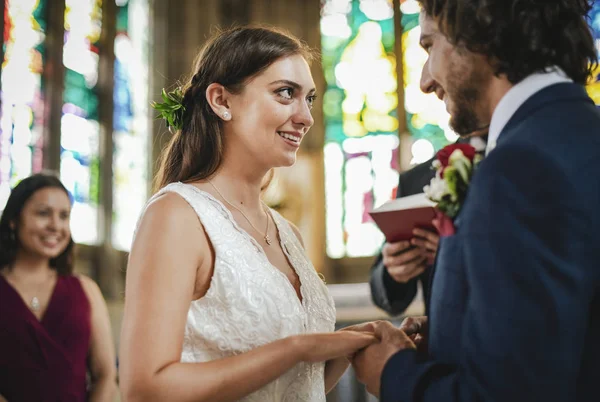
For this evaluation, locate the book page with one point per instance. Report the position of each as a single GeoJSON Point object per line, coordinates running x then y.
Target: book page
{"type": "Point", "coordinates": [408, 202]}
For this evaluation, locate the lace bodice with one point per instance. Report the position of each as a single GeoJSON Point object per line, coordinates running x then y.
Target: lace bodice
{"type": "Point", "coordinates": [251, 303]}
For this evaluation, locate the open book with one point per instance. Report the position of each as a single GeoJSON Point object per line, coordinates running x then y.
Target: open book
{"type": "Point", "coordinates": [397, 218]}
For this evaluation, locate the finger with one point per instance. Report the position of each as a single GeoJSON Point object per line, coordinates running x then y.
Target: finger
{"type": "Point", "coordinates": [383, 330]}
{"type": "Point", "coordinates": [423, 243]}
{"type": "Point", "coordinates": [347, 343]}
{"type": "Point", "coordinates": [393, 335]}
{"type": "Point", "coordinates": [390, 249]}
{"type": "Point", "coordinates": [355, 356]}
{"type": "Point", "coordinates": [403, 277]}
{"type": "Point", "coordinates": [358, 340]}
{"type": "Point", "coordinates": [425, 234]}
{"type": "Point", "coordinates": [404, 258]}
{"type": "Point", "coordinates": [431, 254]}
{"type": "Point", "coordinates": [436, 239]}
{"type": "Point", "coordinates": [364, 327]}
{"type": "Point", "coordinates": [430, 246]}
{"type": "Point", "coordinates": [418, 338]}
{"type": "Point", "coordinates": [419, 242]}
{"type": "Point", "coordinates": [408, 277]}
{"type": "Point", "coordinates": [408, 271]}
{"type": "Point", "coordinates": [410, 326]}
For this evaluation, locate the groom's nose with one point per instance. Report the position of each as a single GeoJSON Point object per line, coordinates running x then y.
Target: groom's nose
{"type": "Point", "coordinates": [427, 83]}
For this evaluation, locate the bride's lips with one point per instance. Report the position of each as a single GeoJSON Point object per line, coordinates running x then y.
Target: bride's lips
{"type": "Point", "coordinates": [291, 138]}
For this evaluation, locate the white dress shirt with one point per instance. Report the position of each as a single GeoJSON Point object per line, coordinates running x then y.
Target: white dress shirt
{"type": "Point", "coordinates": [517, 96]}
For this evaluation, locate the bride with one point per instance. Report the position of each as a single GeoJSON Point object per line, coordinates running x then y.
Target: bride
{"type": "Point", "coordinates": [222, 302]}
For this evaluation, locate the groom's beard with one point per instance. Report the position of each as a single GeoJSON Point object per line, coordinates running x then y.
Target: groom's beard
{"type": "Point", "coordinates": [466, 91]}
{"type": "Point", "coordinates": [465, 120]}
{"type": "Point", "coordinates": [480, 132]}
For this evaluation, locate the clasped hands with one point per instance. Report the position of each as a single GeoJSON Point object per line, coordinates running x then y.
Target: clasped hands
{"type": "Point", "coordinates": [369, 362]}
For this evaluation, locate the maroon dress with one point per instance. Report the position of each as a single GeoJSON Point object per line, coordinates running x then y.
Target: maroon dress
{"type": "Point", "coordinates": [45, 360]}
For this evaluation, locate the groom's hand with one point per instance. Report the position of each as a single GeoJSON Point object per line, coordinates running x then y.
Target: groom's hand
{"type": "Point", "coordinates": [427, 241]}
{"type": "Point", "coordinates": [369, 362]}
{"type": "Point", "coordinates": [416, 328]}
{"type": "Point", "coordinates": [403, 261]}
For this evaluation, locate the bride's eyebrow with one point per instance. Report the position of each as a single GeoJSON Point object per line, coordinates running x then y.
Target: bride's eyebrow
{"type": "Point", "coordinates": [292, 84]}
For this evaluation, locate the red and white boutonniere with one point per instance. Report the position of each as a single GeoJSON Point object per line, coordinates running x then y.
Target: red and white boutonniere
{"type": "Point", "coordinates": [454, 165]}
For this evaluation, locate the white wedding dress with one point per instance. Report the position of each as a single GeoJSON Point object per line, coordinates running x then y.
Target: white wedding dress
{"type": "Point", "coordinates": [251, 303]}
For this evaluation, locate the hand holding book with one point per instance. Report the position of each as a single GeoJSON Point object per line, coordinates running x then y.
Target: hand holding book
{"type": "Point", "coordinates": [411, 237]}
{"type": "Point", "coordinates": [398, 218]}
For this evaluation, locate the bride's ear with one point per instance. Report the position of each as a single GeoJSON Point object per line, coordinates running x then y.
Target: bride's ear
{"type": "Point", "coordinates": [218, 97]}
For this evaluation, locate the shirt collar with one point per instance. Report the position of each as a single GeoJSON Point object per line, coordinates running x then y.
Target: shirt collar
{"type": "Point", "coordinates": [516, 97]}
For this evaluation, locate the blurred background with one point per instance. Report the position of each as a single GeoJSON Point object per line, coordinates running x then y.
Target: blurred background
{"type": "Point", "coordinates": [78, 77]}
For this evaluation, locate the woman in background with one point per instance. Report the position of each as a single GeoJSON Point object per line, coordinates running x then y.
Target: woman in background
{"type": "Point", "coordinates": [54, 326]}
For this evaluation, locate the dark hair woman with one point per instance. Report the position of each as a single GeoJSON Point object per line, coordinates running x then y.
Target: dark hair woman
{"type": "Point", "coordinates": [54, 326]}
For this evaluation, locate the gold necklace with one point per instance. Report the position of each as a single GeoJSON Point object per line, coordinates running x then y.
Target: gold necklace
{"type": "Point", "coordinates": [266, 234]}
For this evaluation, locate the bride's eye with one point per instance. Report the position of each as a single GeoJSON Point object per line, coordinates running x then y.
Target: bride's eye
{"type": "Point", "coordinates": [286, 93]}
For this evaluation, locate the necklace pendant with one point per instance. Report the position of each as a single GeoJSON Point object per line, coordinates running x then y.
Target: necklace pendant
{"type": "Point", "coordinates": [268, 240]}
{"type": "Point", "coordinates": [35, 304]}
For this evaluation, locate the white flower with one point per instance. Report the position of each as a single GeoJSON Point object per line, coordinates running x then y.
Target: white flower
{"type": "Point", "coordinates": [436, 189]}
{"type": "Point", "coordinates": [436, 164]}
{"type": "Point", "coordinates": [456, 154]}
{"type": "Point", "coordinates": [462, 164]}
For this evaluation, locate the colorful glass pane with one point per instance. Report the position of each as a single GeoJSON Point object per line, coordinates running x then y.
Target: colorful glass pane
{"type": "Point", "coordinates": [426, 116]}
{"type": "Point", "coordinates": [361, 122]}
{"type": "Point", "coordinates": [22, 96]}
{"type": "Point", "coordinates": [80, 131]}
{"type": "Point", "coordinates": [594, 86]}
{"type": "Point", "coordinates": [131, 131]}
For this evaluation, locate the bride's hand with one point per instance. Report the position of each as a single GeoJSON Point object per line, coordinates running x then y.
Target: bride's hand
{"type": "Point", "coordinates": [322, 347]}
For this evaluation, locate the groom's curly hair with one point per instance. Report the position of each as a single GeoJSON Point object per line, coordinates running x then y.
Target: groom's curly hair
{"type": "Point", "coordinates": [521, 37]}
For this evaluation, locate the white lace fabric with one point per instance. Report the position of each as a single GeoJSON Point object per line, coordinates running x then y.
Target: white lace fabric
{"type": "Point", "coordinates": [251, 303]}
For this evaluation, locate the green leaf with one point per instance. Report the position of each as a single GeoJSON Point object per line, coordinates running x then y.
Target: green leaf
{"type": "Point", "coordinates": [451, 177]}
{"type": "Point", "coordinates": [171, 109]}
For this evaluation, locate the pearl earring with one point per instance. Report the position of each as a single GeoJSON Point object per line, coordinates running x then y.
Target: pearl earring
{"type": "Point", "coordinates": [226, 115]}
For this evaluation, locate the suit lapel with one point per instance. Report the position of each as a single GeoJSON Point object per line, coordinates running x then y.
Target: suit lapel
{"type": "Point", "coordinates": [549, 95]}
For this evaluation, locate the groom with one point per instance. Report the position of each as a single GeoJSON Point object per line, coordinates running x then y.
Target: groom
{"type": "Point", "coordinates": [514, 312]}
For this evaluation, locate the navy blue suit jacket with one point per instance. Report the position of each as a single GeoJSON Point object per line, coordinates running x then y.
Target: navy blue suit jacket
{"type": "Point", "coordinates": [514, 312]}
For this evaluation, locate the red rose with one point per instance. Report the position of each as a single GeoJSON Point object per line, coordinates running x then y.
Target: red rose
{"type": "Point", "coordinates": [443, 154]}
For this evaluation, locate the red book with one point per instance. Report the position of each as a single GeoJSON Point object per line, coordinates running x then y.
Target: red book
{"type": "Point", "coordinates": [397, 218]}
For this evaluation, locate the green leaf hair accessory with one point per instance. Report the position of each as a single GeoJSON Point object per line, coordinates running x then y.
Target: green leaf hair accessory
{"type": "Point", "coordinates": [171, 109]}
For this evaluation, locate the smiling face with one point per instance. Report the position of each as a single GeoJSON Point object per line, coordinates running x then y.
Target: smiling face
{"type": "Point", "coordinates": [43, 228]}
{"type": "Point", "coordinates": [458, 77]}
{"type": "Point", "coordinates": [272, 114]}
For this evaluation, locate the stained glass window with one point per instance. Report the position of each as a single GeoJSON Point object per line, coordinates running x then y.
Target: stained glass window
{"type": "Point", "coordinates": [594, 87]}
{"type": "Point", "coordinates": [22, 97]}
{"type": "Point", "coordinates": [79, 159]}
{"type": "Point", "coordinates": [426, 116]}
{"type": "Point", "coordinates": [361, 122]}
{"type": "Point", "coordinates": [131, 125]}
